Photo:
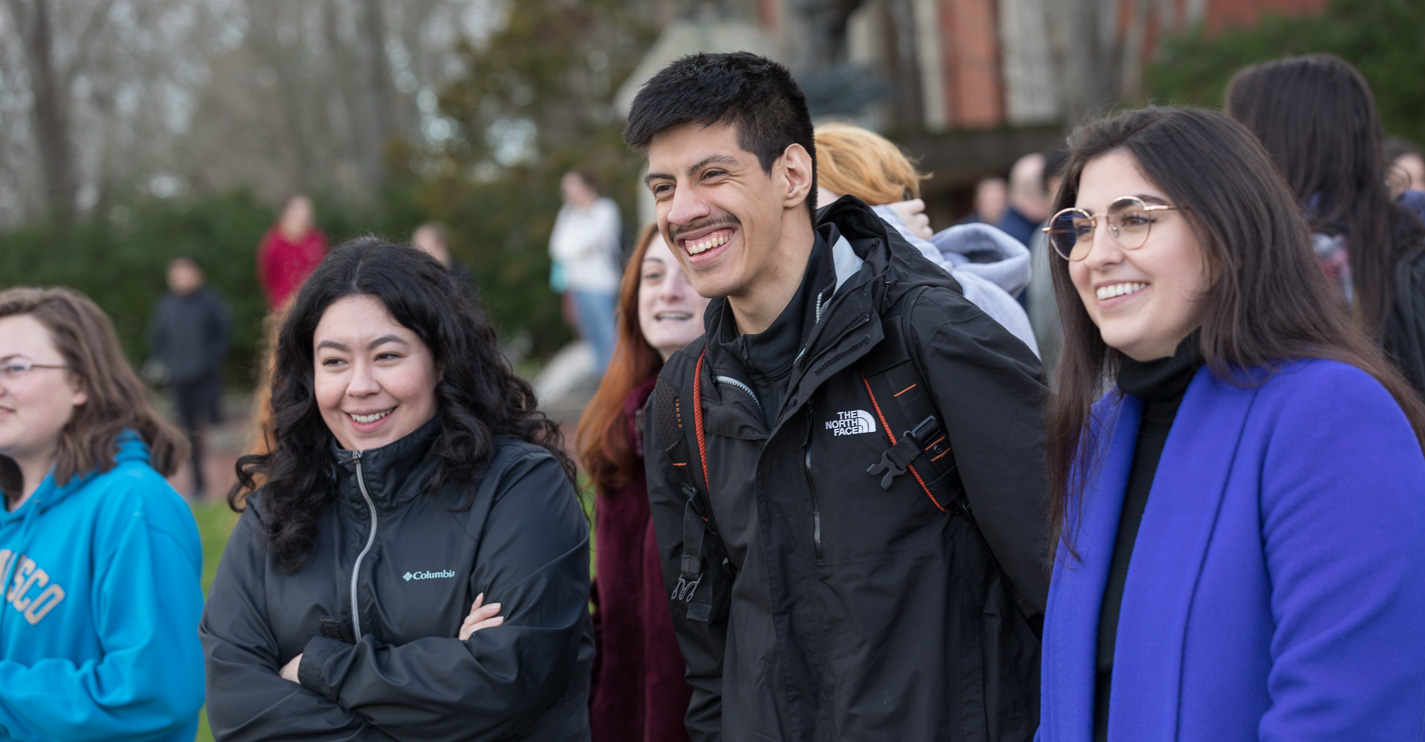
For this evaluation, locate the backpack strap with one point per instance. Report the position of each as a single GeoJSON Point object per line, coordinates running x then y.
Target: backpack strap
{"type": "Point", "coordinates": [926, 435]}
{"type": "Point", "coordinates": [697, 517]}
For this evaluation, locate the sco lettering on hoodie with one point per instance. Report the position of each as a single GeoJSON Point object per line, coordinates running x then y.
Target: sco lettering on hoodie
{"type": "Point", "coordinates": [30, 591]}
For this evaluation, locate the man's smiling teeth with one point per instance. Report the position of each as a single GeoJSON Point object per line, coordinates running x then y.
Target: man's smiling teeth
{"type": "Point", "coordinates": [363, 419]}
{"type": "Point", "coordinates": [677, 316]}
{"type": "Point", "coordinates": [702, 245]}
{"type": "Point", "coordinates": [1118, 289]}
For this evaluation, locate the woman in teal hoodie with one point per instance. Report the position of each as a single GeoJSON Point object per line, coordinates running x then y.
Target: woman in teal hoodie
{"type": "Point", "coordinates": [100, 561]}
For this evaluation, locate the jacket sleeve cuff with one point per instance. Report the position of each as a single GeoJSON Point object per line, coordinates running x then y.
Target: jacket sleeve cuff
{"type": "Point", "coordinates": [311, 671]}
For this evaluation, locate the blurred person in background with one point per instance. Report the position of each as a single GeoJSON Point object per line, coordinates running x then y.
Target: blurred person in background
{"type": "Point", "coordinates": [990, 201]}
{"type": "Point", "coordinates": [433, 239]}
{"type": "Point", "coordinates": [289, 252]}
{"type": "Point", "coordinates": [1405, 166]}
{"type": "Point", "coordinates": [100, 557]}
{"type": "Point", "coordinates": [1039, 301]}
{"type": "Point", "coordinates": [638, 691]}
{"type": "Point", "coordinates": [1317, 119]}
{"type": "Point", "coordinates": [1028, 202]}
{"type": "Point", "coordinates": [411, 561]}
{"type": "Point", "coordinates": [189, 334]}
{"type": "Point", "coordinates": [990, 267]}
{"type": "Point", "coordinates": [585, 246]}
{"type": "Point", "coordinates": [1240, 531]}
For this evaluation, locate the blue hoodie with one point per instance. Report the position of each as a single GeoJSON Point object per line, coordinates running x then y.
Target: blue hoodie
{"type": "Point", "coordinates": [99, 618]}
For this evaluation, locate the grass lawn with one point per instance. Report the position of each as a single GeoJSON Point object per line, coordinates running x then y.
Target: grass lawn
{"type": "Point", "coordinates": [215, 522]}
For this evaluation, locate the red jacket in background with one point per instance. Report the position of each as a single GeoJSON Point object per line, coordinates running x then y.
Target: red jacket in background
{"type": "Point", "coordinates": [282, 266]}
{"type": "Point", "coordinates": [638, 692]}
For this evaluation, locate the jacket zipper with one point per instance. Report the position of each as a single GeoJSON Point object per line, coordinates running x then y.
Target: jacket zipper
{"type": "Point", "coordinates": [811, 490]}
{"type": "Point", "coordinates": [745, 388]}
{"type": "Point", "coordinates": [370, 539]}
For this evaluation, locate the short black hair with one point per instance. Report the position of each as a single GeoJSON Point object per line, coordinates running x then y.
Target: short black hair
{"type": "Point", "coordinates": [755, 94]}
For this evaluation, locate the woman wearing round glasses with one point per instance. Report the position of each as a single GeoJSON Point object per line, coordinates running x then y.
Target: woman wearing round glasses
{"type": "Point", "coordinates": [100, 562]}
{"type": "Point", "coordinates": [1240, 528]}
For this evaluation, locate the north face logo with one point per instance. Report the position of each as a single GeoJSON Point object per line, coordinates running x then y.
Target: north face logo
{"type": "Point", "coordinates": [851, 423]}
{"type": "Point", "coordinates": [444, 573]}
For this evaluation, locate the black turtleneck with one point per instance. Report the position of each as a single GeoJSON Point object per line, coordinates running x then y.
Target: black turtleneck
{"type": "Point", "coordinates": [767, 356]}
{"type": "Point", "coordinates": [1160, 383]}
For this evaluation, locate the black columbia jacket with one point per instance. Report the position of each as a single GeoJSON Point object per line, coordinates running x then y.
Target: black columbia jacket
{"type": "Point", "coordinates": [383, 663]}
{"type": "Point", "coordinates": [842, 611]}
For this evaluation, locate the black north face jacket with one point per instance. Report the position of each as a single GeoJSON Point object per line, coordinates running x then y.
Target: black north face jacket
{"type": "Point", "coordinates": [384, 663]}
{"type": "Point", "coordinates": [840, 610]}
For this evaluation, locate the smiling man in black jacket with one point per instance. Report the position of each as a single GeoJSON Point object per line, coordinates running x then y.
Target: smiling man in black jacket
{"type": "Point", "coordinates": [811, 600]}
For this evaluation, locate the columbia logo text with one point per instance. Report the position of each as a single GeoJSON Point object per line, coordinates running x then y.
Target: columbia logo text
{"type": "Point", "coordinates": [851, 423]}
{"type": "Point", "coordinates": [441, 575]}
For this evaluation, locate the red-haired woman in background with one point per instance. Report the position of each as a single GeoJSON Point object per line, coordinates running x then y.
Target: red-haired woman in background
{"type": "Point", "coordinates": [638, 691]}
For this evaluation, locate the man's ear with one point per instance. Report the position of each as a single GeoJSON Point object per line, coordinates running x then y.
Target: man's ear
{"type": "Point", "coordinates": [796, 174]}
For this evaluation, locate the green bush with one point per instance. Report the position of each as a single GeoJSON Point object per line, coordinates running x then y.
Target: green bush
{"type": "Point", "coordinates": [1381, 38]}
{"type": "Point", "coordinates": [120, 261]}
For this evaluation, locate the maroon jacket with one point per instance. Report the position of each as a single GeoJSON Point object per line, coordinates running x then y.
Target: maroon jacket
{"type": "Point", "coordinates": [638, 691]}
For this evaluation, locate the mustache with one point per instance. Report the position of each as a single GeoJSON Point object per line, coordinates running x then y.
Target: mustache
{"type": "Point", "coordinates": [676, 233]}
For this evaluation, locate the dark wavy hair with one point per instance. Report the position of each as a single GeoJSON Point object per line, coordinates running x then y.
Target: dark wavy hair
{"type": "Point", "coordinates": [1268, 302]}
{"type": "Point", "coordinates": [1317, 119]}
{"type": "Point", "coordinates": [478, 396]}
{"type": "Point", "coordinates": [85, 338]}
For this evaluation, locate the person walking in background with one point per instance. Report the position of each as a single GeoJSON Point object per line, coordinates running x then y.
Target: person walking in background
{"type": "Point", "coordinates": [638, 693]}
{"type": "Point", "coordinates": [99, 557]}
{"type": "Point", "coordinates": [189, 334]}
{"type": "Point", "coordinates": [1240, 531]}
{"type": "Point", "coordinates": [989, 266]}
{"type": "Point", "coordinates": [289, 252]}
{"type": "Point", "coordinates": [1317, 119]}
{"type": "Point", "coordinates": [585, 247]}
{"type": "Point", "coordinates": [818, 544]}
{"type": "Point", "coordinates": [412, 561]}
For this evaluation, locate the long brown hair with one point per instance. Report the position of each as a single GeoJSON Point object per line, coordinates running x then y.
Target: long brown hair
{"type": "Point", "coordinates": [1269, 303]}
{"type": "Point", "coordinates": [605, 451]}
{"type": "Point", "coordinates": [85, 337]}
{"type": "Point", "coordinates": [1317, 119]}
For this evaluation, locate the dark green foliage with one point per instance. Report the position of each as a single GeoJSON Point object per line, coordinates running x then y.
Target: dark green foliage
{"type": "Point", "coordinates": [551, 73]}
{"type": "Point", "coordinates": [121, 261]}
{"type": "Point", "coordinates": [1384, 39]}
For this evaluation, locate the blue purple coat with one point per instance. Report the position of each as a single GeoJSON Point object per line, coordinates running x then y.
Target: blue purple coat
{"type": "Point", "coordinates": [1277, 585]}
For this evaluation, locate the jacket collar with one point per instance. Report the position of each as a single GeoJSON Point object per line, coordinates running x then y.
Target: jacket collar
{"type": "Point", "coordinates": [874, 267]}
{"type": "Point", "coordinates": [394, 474]}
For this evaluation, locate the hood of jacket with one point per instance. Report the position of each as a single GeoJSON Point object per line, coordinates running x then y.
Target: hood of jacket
{"type": "Point", "coordinates": [131, 448]}
{"type": "Point", "coordinates": [978, 249]}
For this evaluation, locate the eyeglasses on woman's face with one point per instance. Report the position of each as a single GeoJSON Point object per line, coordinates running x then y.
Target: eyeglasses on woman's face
{"type": "Point", "coordinates": [17, 368]}
{"type": "Point", "coordinates": [1129, 220]}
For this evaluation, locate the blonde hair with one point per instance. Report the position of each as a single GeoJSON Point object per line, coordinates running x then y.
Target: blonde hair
{"type": "Point", "coordinates": [851, 161]}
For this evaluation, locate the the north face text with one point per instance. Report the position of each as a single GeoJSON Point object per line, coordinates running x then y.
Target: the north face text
{"type": "Point", "coordinates": [851, 423]}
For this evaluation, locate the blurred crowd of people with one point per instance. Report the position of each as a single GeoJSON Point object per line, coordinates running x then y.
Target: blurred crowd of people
{"type": "Point", "coordinates": [1133, 451]}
